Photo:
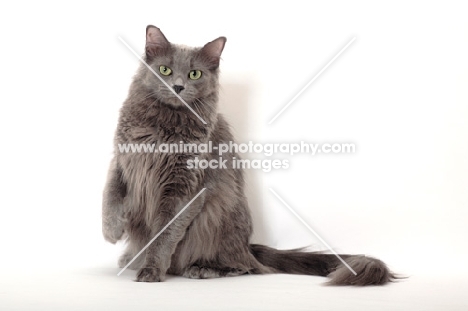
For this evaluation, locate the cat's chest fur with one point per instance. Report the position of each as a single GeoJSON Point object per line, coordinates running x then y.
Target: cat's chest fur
{"type": "Point", "coordinates": [152, 173]}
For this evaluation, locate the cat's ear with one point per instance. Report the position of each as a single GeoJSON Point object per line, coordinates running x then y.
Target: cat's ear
{"type": "Point", "coordinates": [156, 42]}
{"type": "Point", "coordinates": [212, 51]}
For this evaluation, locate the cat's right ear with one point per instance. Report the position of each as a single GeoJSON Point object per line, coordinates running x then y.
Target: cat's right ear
{"type": "Point", "coordinates": [156, 42]}
{"type": "Point", "coordinates": [212, 51]}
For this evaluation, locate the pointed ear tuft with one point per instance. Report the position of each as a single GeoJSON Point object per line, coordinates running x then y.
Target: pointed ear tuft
{"type": "Point", "coordinates": [212, 51]}
{"type": "Point", "coordinates": [156, 42]}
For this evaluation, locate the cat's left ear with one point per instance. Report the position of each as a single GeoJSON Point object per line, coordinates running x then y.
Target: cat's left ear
{"type": "Point", "coordinates": [212, 51]}
{"type": "Point", "coordinates": [156, 42]}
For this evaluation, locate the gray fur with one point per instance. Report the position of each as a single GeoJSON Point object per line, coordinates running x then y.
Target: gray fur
{"type": "Point", "coordinates": [369, 271]}
{"type": "Point", "coordinates": [144, 191]}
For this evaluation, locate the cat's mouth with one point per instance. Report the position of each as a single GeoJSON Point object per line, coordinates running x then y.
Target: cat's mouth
{"type": "Point", "coordinates": [176, 101]}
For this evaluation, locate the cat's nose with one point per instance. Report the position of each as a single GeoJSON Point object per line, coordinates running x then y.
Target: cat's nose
{"type": "Point", "coordinates": [178, 88]}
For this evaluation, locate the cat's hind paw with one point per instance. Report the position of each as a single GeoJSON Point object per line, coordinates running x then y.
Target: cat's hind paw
{"type": "Point", "coordinates": [149, 274]}
{"type": "Point", "coordinates": [125, 259]}
{"type": "Point", "coordinates": [196, 272]}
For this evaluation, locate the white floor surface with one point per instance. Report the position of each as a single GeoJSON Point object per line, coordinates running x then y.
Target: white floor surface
{"type": "Point", "coordinates": [99, 288]}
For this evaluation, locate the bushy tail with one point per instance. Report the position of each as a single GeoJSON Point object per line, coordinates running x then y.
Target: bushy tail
{"type": "Point", "coordinates": [369, 271]}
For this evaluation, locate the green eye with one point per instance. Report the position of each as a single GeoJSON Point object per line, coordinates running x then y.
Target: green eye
{"type": "Point", "coordinates": [195, 74]}
{"type": "Point", "coordinates": [165, 71]}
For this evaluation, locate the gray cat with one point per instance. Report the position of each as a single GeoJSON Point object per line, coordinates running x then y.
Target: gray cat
{"type": "Point", "coordinates": [144, 191]}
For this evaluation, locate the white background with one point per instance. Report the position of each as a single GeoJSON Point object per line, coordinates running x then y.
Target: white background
{"type": "Point", "coordinates": [398, 92]}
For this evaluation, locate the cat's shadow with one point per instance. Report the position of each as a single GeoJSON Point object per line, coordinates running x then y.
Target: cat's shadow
{"type": "Point", "coordinates": [236, 99]}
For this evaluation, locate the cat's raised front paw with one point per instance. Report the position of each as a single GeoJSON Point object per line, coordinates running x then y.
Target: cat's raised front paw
{"type": "Point", "coordinates": [113, 230]}
{"type": "Point", "coordinates": [149, 275]}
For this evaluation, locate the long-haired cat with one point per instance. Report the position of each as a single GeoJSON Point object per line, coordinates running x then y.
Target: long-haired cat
{"type": "Point", "coordinates": [144, 191]}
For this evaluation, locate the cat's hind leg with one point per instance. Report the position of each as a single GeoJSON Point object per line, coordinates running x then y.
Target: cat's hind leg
{"type": "Point", "coordinates": [129, 254]}
{"type": "Point", "coordinates": [204, 272]}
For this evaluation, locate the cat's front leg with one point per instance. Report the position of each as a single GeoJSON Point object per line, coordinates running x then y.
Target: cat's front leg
{"type": "Point", "coordinates": [159, 253]}
{"type": "Point", "coordinates": [113, 219]}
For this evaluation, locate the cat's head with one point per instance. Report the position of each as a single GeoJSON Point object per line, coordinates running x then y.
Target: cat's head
{"type": "Point", "coordinates": [191, 72]}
